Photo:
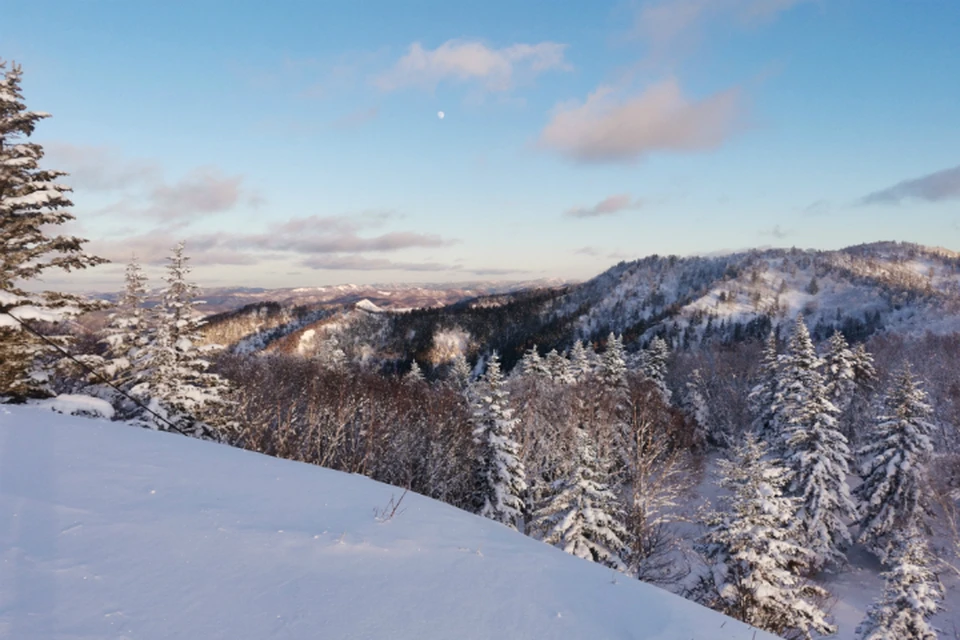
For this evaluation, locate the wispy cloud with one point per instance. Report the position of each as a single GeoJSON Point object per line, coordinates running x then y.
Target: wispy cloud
{"type": "Point", "coordinates": [611, 127]}
{"type": "Point", "coordinates": [933, 187]}
{"type": "Point", "coordinates": [94, 168]}
{"type": "Point", "coordinates": [606, 207]}
{"type": "Point", "coordinates": [472, 61]}
{"type": "Point", "coordinates": [667, 26]}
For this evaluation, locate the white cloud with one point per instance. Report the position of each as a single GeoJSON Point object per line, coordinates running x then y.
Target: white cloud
{"type": "Point", "coordinates": [933, 187]}
{"type": "Point", "coordinates": [471, 60]}
{"type": "Point", "coordinates": [609, 127]}
{"type": "Point", "coordinates": [608, 206]}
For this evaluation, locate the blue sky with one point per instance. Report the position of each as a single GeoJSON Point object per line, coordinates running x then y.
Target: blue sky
{"type": "Point", "coordinates": [299, 143]}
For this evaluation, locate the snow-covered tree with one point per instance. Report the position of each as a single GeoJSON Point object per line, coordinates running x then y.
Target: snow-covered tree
{"type": "Point", "coordinates": [893, 495]}
{"type": "Point", "coordinates": [912, 594]}
{"type": "Point", "coordinates": [654, 364]}
{"type": "Point", "coordinates": [460, 373]}
{"type": "Point", "coordinates": [752, 558]}
{"type": "Point", "coordinates": [126, 332]}
{"type": "Point", "coordinates": [762, 397]}
{"type": "Point", "coordinates": [559, 368]}
{"type": "Point", "coordinates": [531, 364]}
{"type": "Point", "coordinates": [500, 479]}
{"type": "Point", "coordinates": [331, 355]}
{"type": "Point", "coordinates": [176, 381]}
{"type": "Point", "coordinates": [814, 451]}
{"type": "Point", "coordinates": [695, 407]}
{"type": "Point", "coordinates": [581, 360]}
{"type": "Point", "coordinates": [582, 515]}
{"type": "Point", "coordinates": [839, 372]}
{"type": "Point", "coordinates": [613, 363]}
{"type": "Point", "coordinates": [863, 370]}
{"type": "Point", "coordinates": [33, 204]}
{"type": "Point", "coordinates": [414, 375]}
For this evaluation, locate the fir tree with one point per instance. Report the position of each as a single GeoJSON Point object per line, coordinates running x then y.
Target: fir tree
{"type": "Point", "coordinates": [532, 365]}
{"type": "Point", "coordinates": [696, 409]}
{"type": "Point", "coordinates": [414, 375]}
{"type": "Point", "coordinates": [126, 332]}
{"type": "Point", "coordinates": [613, 364]}
{"type": "Point", "coordinates": [751, 554]}
{"type": "Point", "coordinates": [32, 206]}
{"type": "Point", "coordinates": [559, 368]}
{"type": "Point", "coordinates": [176, 381]}
{"type": "Point", "coordinates": [581, 515]}
{"type": "Point", "coordinates": [762, 397]}
{"type": "Point", "coordinates": [500, 480]}
{"type": "Point", "coordinates": [912, 594]}
{"type": "Point", "coordinates": [839, 372]}
{"type": "Point", "coordinates": [654, 364]}
{"type": "Point", "coordinates": [815, 452]}
{"type": "Point", "coordinates": [460, 374]}
{"type": "Point", "coordinates": [581, 360]}
{"type": "Point", "coordinates": [892, 496]}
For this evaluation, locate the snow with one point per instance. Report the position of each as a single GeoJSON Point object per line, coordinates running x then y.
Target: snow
{"type": "Point", "coordinates": [366, 305]}
{"type": "Point", "coordinates": [78, 405]}
{"type": "Point", "coordinates": [109, 531]}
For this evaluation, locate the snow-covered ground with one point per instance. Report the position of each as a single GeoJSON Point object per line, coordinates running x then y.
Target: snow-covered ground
{"type": "Point", "coordinates": [110, 531]}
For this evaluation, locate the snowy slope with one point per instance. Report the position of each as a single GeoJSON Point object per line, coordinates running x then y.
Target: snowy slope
{"type": "Point", "coordinates": [109, 531]}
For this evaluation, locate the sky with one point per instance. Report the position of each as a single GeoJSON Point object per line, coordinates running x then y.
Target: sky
{"type": "Point", "coordinates": [301, 143]}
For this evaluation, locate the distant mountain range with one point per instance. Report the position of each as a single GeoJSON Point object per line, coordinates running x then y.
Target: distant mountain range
{"type": "Point", "coordinates": [860, 290]}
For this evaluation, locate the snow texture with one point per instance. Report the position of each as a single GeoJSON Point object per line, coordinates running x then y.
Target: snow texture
{"type": "Point", "coordinates": [109, 531]}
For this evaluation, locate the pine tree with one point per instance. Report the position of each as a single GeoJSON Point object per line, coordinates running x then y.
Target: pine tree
{"type": "Point", "coordinates": [581, 360]}
{"type": "Point", "coordinates": [32, 205]}
{"type": "Point", "coordinates": [892, 496]}
{"type": "Point", "coordinates": [176, 381]}
{"type": "Point", "coordinates": [762, 397]}
{"type": "Point", "coordinates": [613, 364]}
{"type": "Point", "coordinates": [126, 332]}
{"type": "Point", "coordinates": [654, 364]}
{"type": "Point", "coordinates": [500, 479]}
{"type": "Point", "coordinates": [751, 554]}
{"type": "Point", "coordinates": [912, 594]}
{"type": "Point", "coordinates": [581, 515]}
{"type": "Point", "coordinates": [815, 452]}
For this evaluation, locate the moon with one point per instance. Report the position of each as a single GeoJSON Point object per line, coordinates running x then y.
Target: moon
{"type": "Point", "coordinates": [440, 114]}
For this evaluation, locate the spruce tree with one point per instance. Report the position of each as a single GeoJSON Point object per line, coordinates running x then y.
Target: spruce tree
{"type": "Point", "coordinates": [33, 205]}
{"type": "Point", "coordinates": [176, 381]}
{"type": "Point", "coordinates": [911, 596]}
{"type": "Point", "coordinates": [815, 453]}
{"type": "Point", "coordinates": [499, 477]}
{"type": "Point", "coordinates": [751, 554]}
{"type": "Point", "coordinates": [460, 374]}
{"type": "Point", "coordinates": [581, 514]}
{"type": "Point", "coordinates": [892, 496]}
{"type": "Point", "coordinates": [414, 375]}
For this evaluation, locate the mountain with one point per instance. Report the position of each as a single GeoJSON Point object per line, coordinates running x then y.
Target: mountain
{"type": "Point", "coordinates": [111, 531]}
{"type": "Point", "coordinates": [690, 301]}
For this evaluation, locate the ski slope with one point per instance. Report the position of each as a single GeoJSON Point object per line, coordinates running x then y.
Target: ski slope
{"type": "Point", "coordinates": [110, 531]}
